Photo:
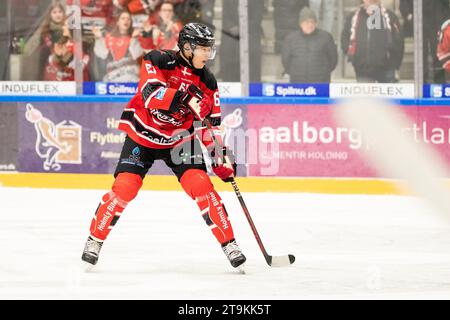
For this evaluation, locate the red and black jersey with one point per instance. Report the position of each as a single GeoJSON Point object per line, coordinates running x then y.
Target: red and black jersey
{"type": "Point", "coordinates": [148, 118]}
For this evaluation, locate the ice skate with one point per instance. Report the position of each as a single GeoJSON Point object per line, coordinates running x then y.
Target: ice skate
{"type": "Point", "coordinates": [234, 255]}
{"type": "Point", "coordinates": [91, 251]}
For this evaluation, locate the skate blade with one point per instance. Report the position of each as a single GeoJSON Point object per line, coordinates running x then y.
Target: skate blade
{"type": "Point", "coordinates": [241, 268]}
{"type": "Point", "coordinates": [87, 267]}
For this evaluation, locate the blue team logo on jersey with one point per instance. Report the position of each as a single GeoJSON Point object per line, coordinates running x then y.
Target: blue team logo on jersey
{"type": "Point", "coordinates": [160, 95]}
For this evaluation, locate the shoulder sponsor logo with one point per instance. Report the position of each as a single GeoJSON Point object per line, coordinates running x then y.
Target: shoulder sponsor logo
{"type": "Point", "coordinates": [160, 95]}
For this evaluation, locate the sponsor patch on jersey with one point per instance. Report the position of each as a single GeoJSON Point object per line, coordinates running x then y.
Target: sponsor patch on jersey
{"type": "Point", "coordinates": [134, 158]}
{"type": "Point", "coordinates": [160, 95]}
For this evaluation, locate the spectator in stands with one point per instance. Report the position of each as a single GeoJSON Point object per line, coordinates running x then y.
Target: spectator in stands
{"type": "Point", "coordinates": [61, 64]}
{"type": "Point", "coordinates": [41, 41]}
{"type": "Point", "coordinates": [435, 13]}
{"type": "Point", "coordinates": [94, 13]}
{"type": "Point", "coordinates": [19, 19]}
{"type": "Point", "coordinates": [443, 49]}
{"type": "Point", "coordinates": [196, 11]}
{"type": "Point", "coordinates": [407, 9]}
{"type": "Point", "coordinates": [54, 22]}
{"type": "Point", "coordinates": [229, 48]}
{"type": "Point", "coordinates": [309, 55]}
{"type": "Point", "coordinates": [121, 49]}
{"type": "Point", "coordinates": [285, 18]}
{"type": "Point", "coordinates": [325, 9]}
{"type": "Point", "coordinates": [99, 14]}
{"type": "Point", "coordinates": [373, 42]}
{"type": "Point", "coordinates": [141, 10]}
{"type": "Point", "coordinates": [162, 34]}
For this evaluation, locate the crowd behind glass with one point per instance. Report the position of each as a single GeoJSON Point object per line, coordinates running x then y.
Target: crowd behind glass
{"type": "Point", "coordinates": [301, 41]}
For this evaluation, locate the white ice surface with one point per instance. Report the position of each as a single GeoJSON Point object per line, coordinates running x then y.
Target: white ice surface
{"type": "Point", "coordinates": [347, 247]}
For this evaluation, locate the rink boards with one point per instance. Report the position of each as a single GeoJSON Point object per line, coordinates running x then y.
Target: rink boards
{"type": "Point", "coordinates": [281, 145]}
{"type": "Point", "coordinates": [247, 184]}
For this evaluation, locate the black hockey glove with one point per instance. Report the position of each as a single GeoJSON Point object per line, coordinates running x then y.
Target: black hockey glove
{"type": "Point", "coordinates": [193, 99]}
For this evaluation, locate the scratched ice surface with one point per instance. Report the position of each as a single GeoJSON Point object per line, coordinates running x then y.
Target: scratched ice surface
{"type": "Point", "coordinates": [346, 247]}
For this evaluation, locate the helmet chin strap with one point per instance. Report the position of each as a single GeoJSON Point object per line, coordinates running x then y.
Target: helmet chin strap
{"type": "Point", "coordinates": [190, 59]}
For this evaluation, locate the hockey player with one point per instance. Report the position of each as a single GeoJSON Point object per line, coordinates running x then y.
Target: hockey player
{"type": "Point", "coordinates": [175, 94]}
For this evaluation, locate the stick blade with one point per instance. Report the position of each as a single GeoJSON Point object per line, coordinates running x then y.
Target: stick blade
{"type": "Point", "coordinates": [281, 261]}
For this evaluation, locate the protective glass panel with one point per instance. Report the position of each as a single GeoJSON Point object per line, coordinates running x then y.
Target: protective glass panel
{"type": "Point", "coordinates": [323, 41]}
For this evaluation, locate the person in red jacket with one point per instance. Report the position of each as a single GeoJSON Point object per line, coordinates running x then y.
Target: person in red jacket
{"type": "Point", "coordinates": [443, 48]}
{"type": "Point", "coordinates": [161, 32]}
{"type": "Point", "coordinates": [53, 26]}
{"type": "Point", "coordinates": [137, 6]}
{"type": "Point", "coordinates": [61, 63]}
{"type": "Point", "coordinates": [120, 49]}
{"type": "Point", "coordinates": [99, 13]}
{"type": "Point", "coordinates": [166, 120]}
{"type": "Point", "coordinates": [140, 10]}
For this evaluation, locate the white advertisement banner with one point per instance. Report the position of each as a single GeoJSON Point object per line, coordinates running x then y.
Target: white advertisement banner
{"type": "Point", "coordinates": [38, 88]}
{"type": "Point", "coordinates": [379, 90]}
{"type": "Point", "coordinates": [230, 89]}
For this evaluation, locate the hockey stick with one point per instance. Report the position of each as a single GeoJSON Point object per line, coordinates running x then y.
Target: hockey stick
{"type": "Point", "coordinates": [273, 261]}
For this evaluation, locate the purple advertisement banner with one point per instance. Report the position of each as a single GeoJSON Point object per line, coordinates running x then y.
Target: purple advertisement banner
{"type": "Point", "coordinates": [83, 137]}
{"type": "Point", "coordinates": [69, 137]}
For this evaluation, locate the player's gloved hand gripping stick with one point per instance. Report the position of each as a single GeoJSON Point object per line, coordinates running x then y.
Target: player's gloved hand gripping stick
{"type": "Point", "coordinates": [224, 166]}
{"type": "Point", "coordinates": [273, 261]}
{"type": "Point", "coordinates": [193, 99]}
